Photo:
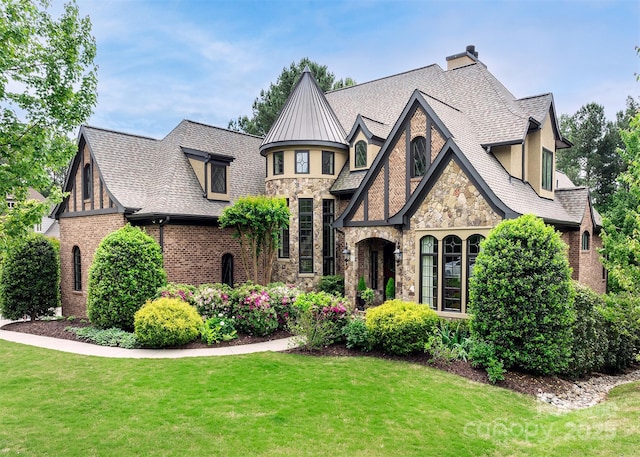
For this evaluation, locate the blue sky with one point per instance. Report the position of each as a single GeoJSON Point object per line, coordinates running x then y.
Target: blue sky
{"type": "Point", "coordinates": [161, 61]}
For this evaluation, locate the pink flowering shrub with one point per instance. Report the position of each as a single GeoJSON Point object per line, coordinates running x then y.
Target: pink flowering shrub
{"type": "Point", "coordinates": [213, 299]}
{"type": "Point", "coordinates": [283, 296]}
{"type": "Point", "coordinates": [320, 319]}
{"type": "Point", "coordinates": [184, 292]}
{"type": "Point", "coordinates": [252, 310]}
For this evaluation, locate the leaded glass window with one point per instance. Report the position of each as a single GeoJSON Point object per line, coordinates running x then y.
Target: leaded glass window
{"type": "Point", "coordinates": [418, 156]}
{"type": "Point", "coordinates": [219, 179]}
{"type": "Point", "coordinates": [302, 161]}
{"type": "Point", "coordinates": [452, 264]}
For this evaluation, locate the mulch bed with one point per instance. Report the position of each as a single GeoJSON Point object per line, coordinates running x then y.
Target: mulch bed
{"type": "Point", "coordinates": [516, 381]}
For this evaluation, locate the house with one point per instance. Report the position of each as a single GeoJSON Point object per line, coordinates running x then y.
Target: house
{"type": "Point", "coordinates": [48, 226]}
{"type": "Point", "coordinates": [400, 177]}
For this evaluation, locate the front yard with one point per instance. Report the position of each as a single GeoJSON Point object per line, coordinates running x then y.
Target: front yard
{"type": "Point", "coordinates": [285, 404]}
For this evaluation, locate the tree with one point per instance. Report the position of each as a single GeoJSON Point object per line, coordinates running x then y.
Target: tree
{"type": "Point", "coordinates": [521, 297]}
{"type": "Point", "coordinates": [47, 89]}
{"type": "Point", "coordinates": [257, 222]}
{"type": "Point", "coordinates": [30, 279]}
{"type": "Point", "coordinates": [621, 224]}
{"type": "Point", "coordinates": [268, 105]}
{"type": "Point", "coordinates": [125, 273]}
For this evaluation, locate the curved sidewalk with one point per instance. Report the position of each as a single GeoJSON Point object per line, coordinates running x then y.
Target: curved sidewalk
{"type": "Point", "coordinates": [76, 347]}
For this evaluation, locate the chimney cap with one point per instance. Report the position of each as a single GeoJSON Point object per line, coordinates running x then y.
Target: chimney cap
{"type": "Point", "coordinates": [471, 49]}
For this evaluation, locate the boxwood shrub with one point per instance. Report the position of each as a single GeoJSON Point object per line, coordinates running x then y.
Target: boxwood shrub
{"type": "Point", "coordinates": [167, 322]}
{"type": "Point", "coordinates": [30, 279]}
{"type": "Point", "coordinates": [399, 327]}
{"type": "Point", "coordinates": [126, 272]}
{"type": "Point", "coordinates": [521, 297]}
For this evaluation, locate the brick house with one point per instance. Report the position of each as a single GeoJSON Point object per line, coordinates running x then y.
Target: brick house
{"type": "Point", "coordinates": [401, 177]}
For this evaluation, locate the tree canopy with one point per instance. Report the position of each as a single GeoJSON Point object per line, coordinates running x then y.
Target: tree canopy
{"type": "Point", "coordinates": [592, 160]}
{"type": "Point", "coordinates": [257, 222]}
{"type": "Point", "coordinates": [268, 105]}
{"type": "Point", "coordinates": [621, 233]}
{"type": "Point", "coordinates": [47, 89]}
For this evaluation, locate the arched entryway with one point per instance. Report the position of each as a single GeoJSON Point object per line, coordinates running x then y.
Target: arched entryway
{"type": "Point", "coordinates": [376, 264]}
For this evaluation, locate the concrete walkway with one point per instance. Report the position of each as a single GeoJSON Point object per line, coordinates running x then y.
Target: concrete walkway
{"type": "Point", "coordinates": [76, 347]}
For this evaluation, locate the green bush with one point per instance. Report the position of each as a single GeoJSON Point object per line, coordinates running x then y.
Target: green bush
{"type": "Point", "coordinates": [589, 344]}
{"type": "Point", "coordinates": [213, 299]}
{"type": "Point", "coordinates": [167, 322]}
{"type": "Point", "coordinates": [450, 341]}
{"type": "Point", "coordinates": [390, 289]}
{"type": "Point", "coordinates": [184, 292]}
{"type": "Point", "coordinates": [252, 310]}
{"type": "Point", "coordinates": [219, 328]}
{"type": "Point", "coordinates": [333, 285]}
{"type": "Point", "coordinates": [126, 272]}
{"type": "Point", "coordinates": [361, 284]}
{"type": "Point", "coordinates": [399, 327]}
{"type": "Point", "coordinates": [30, 279]}
{"type": "Point", "coordinates": [356, 334]}
{"type": "Point", "coordinates": [113, 337]}
{"type": "Point", "coordinates": [621, 316]}
{"type": "Point", "coordinates": [521, 297]}
{"type": "Point", "coordinates": [320, 318]}
{"type": "Point", "coordinates": [483, 354]}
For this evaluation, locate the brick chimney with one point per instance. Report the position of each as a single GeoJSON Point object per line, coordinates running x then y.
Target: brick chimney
{"type": "Point", "coordinates": [469, 56]}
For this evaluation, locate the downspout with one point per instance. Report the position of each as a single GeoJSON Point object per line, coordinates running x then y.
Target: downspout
{"type": "Point", "coordinates": [162, 223]}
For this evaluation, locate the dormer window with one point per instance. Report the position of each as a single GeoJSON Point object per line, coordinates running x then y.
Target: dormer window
{"type": "Point", "coordinates": [418, 156]}
{"type": "Point", "coordinates": [361, 154]}
{"type": "Point", "coordinates": [547, 169]}
{"type": "Point", "coordinates": [219, 179]}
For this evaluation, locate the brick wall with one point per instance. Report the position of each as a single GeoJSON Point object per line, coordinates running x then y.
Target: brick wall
{"type": "Point", "coordinates": [86, 233]}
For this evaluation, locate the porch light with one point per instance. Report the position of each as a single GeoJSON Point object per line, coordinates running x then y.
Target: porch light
{"type": "Point", "coordinates": [346, 253]}
{"type": "Point", "coordinates": [397, 253]}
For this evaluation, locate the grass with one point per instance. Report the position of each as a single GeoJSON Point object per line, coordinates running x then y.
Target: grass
{"type": "Point", "coordinates": [53, 403]}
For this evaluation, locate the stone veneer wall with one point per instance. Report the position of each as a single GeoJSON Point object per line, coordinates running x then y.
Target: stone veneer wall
{"type": "Point", "coordinates": [287, 270]}
{"type": "Point", "coordinates": [86, 232]}
{"type": "Point", "coordinates": [453, 202]}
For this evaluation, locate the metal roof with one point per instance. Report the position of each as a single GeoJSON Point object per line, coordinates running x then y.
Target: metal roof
{"type": "Point", "coordinates": [306, 118]}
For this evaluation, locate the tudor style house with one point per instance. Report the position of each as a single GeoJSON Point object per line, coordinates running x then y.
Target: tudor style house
{"type": "Point", "coordinates": [401, 177]}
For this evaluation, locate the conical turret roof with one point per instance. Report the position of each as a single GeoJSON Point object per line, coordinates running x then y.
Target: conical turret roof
{"type": "Point", "coordinates": [306, 118]}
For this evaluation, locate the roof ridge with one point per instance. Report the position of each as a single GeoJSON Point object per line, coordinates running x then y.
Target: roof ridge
{"type": "Point", "coordinates": [534, 96]}
{"type": "Point", "coordinates": [86, 126]}
{"type": "Point", "coordinates": [440, 101]}
{"type": "Point", "coordinates": [372, 120]}
{"type": "Point", "coordinates": [221, 128]}
{"type": "Point", "coordinates": [383, 78]}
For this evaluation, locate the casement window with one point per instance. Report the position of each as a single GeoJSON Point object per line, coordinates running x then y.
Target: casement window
{"type": "Point", "coordinates": [445, 267]}
{"type": "Point", "coordinates": [227, 269]}
{"type": "Point", "coordinates": [278, 163]}
{"type": "Point", "coordinates": [219, 179]}
{"type": "Point", "coordinates": [283, 247]}
{"type": "Point", "coordinates": [86, 182]}
{"type": "Point", "coordinates": [418, 157]}
{"type": "Point", "coordinates": [547, 169]}
{"type": "Point", "coordinates": [429, 271]}
{"type": "Point", "coordinates": [328, 166]}
{"type": "Point", "coordinates": [586, 240]}
{"type": "Point", "coordinates": [328, 238]}
{"type": "Point", "coordinates": [302, 162]}
{"type": "Point", "coordinates": [77, 269]}
{"type": "Point", "coordinates": [361, 154]}
{"type": "Point", "coordinates": [305, 234]}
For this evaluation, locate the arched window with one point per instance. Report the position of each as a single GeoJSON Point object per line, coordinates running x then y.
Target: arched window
{"type": "Point", "coordinates": [418, 156]}
{"type": "Point", "coordinates": [429, 271]}
{"type": "Point", "coordinates": [77, 269]}
{"type": "Point", "coordinates": [227, 269]}
{"type": "Point", "coordinates": [473, 249]}
{"type": "Point", "coordinates": [361, 154]}
{"type": "Point", "coordinates": [586, 240]}
{"type": "Point", "coordinates": [452, 264]}
{"type": "Point", "coordinates": [86, 182]}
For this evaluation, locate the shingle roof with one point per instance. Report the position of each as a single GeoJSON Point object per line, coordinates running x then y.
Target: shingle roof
{"type": "Point", "coordinates": [154, 176]}
{"type": "Point", "coordinates": [536, 106]}
{"type": "Point", "coordinates": [306, 118]}
{"type": "Point", "coordinates": [348, 180]}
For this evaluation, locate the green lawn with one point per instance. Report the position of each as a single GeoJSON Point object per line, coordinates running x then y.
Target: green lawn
{"type": "Point", "coordinates": [59, 404]}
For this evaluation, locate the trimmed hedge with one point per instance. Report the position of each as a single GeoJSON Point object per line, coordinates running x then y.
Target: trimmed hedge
{"type": "Point", "coordinates": [126, 272]}
{"type": "Point", "coordinates": [167, 322]}
{"type": "Point", "coordinates": [521, 297]}
{"type": "Point", "coordinates": [30, 279]}
{"type": "Point", "coordinates": [399, 327]}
